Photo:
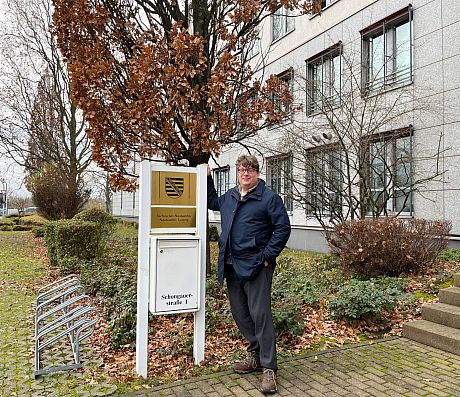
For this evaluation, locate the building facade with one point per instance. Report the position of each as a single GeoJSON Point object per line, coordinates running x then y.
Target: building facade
{"type": "Point", "coordinates": [381, 73]}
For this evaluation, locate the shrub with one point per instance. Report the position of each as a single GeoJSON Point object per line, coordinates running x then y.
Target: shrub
{"type": "Point", "coordinates": [50, 241]}
{"type": "Point", "coordinates": [294, 286]}
{"type": "Point", "coordinates": [33, 220]}
{"type": "Point", "coordinates": [102, 218]}
{"type": "Point", "coordinates": [6, 228]}
{"type": "Point", "coordinates": [367, 299]}
{"type": "Point", "coordinates": [287, 316]}
{"type": "Point", "coordinates": [105, 223]}
{"type": "Point", "coordinates": [388, 246]}
{"type": "Point", "coordinates": [71, 238]}
{"type": "Point", "coordinates": [20, 228]}
{"type": "Point", "coordinates": [213, 233]}
{"type": "Point", "coordinates": [39, 231]}
{"type": "Point", "coordinates": [13, 217]}
{"type": "Point", "coordinates": [6, 222]}
{"type": "Point", "coordinates": [76, 238]}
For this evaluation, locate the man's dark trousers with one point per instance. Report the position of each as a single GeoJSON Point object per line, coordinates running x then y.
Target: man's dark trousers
{"type": "Point", "coordinates": [250, 302]}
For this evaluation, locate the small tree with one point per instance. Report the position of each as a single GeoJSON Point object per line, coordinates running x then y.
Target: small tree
{"type": "Point", "coordinates": [55, 195]}
{"type": "Point", "coordinates": [20, 203]}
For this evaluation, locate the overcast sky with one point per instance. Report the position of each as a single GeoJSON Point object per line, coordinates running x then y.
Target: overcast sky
{"type": "Point", "coordinates": [9, 171]}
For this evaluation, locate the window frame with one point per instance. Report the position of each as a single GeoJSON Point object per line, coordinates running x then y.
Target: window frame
{"type": "Point", "coordinates": [284, 178]}
{"type": "Point", "coordinates": [325, 57]}
{"type": "Point", "coordinates": [390, 187]}
{"type": "Point", "coordinates": [217, 177]}
{"type": "Point", "coordinates": [327, 155]}
{"type": "Point", "coordinates": [254, 48]}
{"type": "Point", "coordinates": [288, 78]}
{"type": "Point", "coordinates": [285, 15]}
{"type": "Point", "coordinates": [386, 29]}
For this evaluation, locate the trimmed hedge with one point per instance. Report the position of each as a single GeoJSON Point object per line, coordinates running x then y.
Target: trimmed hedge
{"type": "Point", "coordinates": [105, 224]}
{"type": "Point", "coordinates": [72, 239]}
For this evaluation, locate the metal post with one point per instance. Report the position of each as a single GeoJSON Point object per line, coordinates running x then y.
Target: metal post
{"type": "Point", "coordinates": [143, 270]}
{"type": "Point", "coordinates": [201, 219]}
{"type": "Point", "coordinates": [4, 190]}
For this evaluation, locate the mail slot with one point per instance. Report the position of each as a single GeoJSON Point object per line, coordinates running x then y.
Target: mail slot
{"type": "Point", "coordinates": [174, 274]}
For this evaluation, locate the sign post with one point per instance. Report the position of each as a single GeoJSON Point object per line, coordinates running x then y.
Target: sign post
{"type": "Point", "coordinates": [171, 274]}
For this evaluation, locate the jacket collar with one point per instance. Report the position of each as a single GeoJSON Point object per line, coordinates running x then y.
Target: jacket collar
{"type": "Point", "coordinates": [255, 193]}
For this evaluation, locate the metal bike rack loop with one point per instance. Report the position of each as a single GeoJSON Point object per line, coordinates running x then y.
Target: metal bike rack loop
{"type": "Point", "coordinates": [62, 310]}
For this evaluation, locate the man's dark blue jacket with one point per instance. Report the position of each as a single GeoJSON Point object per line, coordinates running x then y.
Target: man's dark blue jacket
{"type": "Point", "coordinates": [255, 229]}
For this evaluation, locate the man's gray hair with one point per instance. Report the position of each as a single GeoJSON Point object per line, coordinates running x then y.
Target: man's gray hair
{"type": "Point", "coordinates": [248, 161]}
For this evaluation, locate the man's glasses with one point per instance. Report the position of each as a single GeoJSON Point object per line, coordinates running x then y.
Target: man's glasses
{"type": "Point", "coordinates": [246, 170]}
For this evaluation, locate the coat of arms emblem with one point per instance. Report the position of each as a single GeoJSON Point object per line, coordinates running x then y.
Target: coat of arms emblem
{"type": "Point", "coordinates": [174, 187]}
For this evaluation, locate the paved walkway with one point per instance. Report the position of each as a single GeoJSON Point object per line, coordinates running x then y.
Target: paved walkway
{"type": "Point", "coordinates": [392, 367]}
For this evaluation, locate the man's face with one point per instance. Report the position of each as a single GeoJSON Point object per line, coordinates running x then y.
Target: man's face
{"type": "Point", "coordinates": [247, 177]}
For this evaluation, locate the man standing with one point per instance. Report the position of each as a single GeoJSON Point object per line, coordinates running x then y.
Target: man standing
{"type": "Point", "coordinates": [255, 229]}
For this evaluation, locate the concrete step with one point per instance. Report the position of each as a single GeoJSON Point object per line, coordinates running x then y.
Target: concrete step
{"type": "Point", "coordinates": [457, 280]}
{"type": "Point", "coordinates": [450, 296]}
{"type": "Point", "coordinates": [432, 334]}
{"type": "Point", "coordinates": [442, 313]}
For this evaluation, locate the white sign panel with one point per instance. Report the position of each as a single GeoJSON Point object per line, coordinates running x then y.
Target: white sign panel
{"type": "Point", "coordinates": [174, 274]}
{"type": "Point", "coordinates": [171, 266]}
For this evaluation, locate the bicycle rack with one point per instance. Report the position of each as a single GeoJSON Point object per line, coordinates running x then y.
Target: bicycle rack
{"type": "Point", "coordinates": [63, 309]}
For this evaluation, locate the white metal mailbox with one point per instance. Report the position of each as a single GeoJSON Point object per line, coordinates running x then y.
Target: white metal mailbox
{"type": "Point", "coordinates": [174, 274]}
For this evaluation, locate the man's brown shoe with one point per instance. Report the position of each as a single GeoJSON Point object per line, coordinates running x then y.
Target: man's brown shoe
{"type": "Point", "coordinates": [268, 381]}
{"type": "Point", "coordinates": [250, 365]}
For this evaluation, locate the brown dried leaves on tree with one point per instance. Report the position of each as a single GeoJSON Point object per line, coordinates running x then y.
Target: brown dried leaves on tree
{"type": "Point", "coordinates": [155, 82]}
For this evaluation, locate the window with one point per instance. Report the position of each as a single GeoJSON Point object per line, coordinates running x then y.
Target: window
{"type": "Point", "coordinates": [282, 23]}
{"type": "Point", "coordinates": [324, 181]}
{"type": "Point", "coordinates": [390, 172]}
{"type": "Point", "coordinates": [253, 48]}
{"type": "Point", "coordinates": [327, 3]}
{"type": "Point", "coordinates": [279, 178]}
{"type": "Point", "coordinates": [222, 179]}
{"type": "Point", "coordinates": [387, 52]}
{"type": "Point", "coordinates": [288, 79]}
{"type": "Point", "coordinates": [324, 79]}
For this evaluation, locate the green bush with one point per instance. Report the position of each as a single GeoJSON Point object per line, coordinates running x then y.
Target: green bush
{"type": "Point", "coordinates": [77, 238]}
{"type": "Point", "coordinates": [71, 238]}
{"type": "Point", "coordinates": [213, 233]}
{"type": "Point", "coordinates": [14, 217]}
{"type": "Point", "coordinates": [104, 219]}
{"type": "Point", "coordinates": [6, 222]}
{"type": "Point", "coordinates": [33, 220]}
{"type": "Point", "coordinates": [367, 299]}
{"type": "Point", "coordinates": [50, 241]}
{"type": "Point", "coordinates": [6, 228]}
{"type": "Point", "coordinates": [39, 231]}
{"type": "Point", "coordinates": [388, 246]}
{"type": "Point", "coordinates": [287, 316]}
{"type": "Point", "coordinates": [20, 228]}
{"type": "Point", "coordinates": [105, 223]}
